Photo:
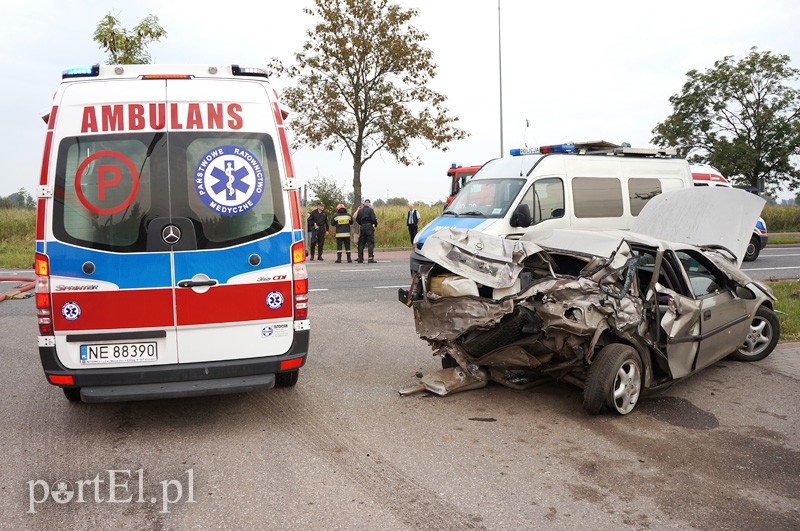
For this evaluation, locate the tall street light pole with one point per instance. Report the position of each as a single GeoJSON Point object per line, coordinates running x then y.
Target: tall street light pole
{"type": "Point", "coordinates": [500, 66]}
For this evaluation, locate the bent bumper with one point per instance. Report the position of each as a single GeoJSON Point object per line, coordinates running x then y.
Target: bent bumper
{"type": "Point", "coordinates": [178, 380]}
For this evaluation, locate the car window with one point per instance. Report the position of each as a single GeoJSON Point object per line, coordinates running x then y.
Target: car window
{"type": "Point", "coordinates": [703, 277]}
{"type": "Point", "coordinates": [545, 199]}
{"type": "Point", "coordinates": [486, 197]}
{"type": "Point", "coordinates": [597, 197]}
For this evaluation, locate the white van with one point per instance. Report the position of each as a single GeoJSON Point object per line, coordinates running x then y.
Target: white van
{"type": "Point", "coordinates": [559, 186]}
{"type": "Point", "coordinates": [707, 175]}
{"type": "Point", "coordinates": [169, 243]}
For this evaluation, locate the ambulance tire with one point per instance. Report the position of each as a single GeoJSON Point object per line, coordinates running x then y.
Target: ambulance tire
{"type": "Point", "coordinates": [73, 394]}
{"type": "Point", "coordinates": [287, 379]}
{"type": "Point", "coordinates": [753, 248]}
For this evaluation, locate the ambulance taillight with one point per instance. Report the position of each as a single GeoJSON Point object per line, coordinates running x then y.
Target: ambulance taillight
{"type": "Point", "coordinates": [300, 283]}
{"type": "Point", "coordinates": [43, 305]}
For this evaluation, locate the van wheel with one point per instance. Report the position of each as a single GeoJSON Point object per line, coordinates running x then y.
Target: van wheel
{"type": "Point", "coordinates": [73, 394]}
{"type": "Point", "coordinates": [287, 379]}
{"type": "Point", "coordinates": [753, 248]}
{"type": "Point", "coordinates": [765, 329]}
{"type": "Point", "coordinates": [614, 381]}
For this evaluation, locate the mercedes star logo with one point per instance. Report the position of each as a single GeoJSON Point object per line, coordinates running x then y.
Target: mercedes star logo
{"type": "Point", "coordinates": [171, 234]}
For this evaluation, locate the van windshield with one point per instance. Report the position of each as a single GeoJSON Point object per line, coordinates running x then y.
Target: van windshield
{"type": "Point", "coordinates": [109, 188]}
{"type": "Point", "coordinates": [488, 198]}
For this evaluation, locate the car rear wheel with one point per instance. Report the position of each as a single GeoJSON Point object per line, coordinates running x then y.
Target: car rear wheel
{"type": "Point", "coordinates": [614, 381]}
{"type": "Point", "coordinates": [73, 394]}
{"type": "Point", "coordinates": [753, 248]}
{"type": "Point", "coordinates": [287, 379]}
{"type": "Point", "coordinates": [765, 330]}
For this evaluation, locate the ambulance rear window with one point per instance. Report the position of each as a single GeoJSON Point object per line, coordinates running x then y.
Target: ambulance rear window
{"type": "Point", "coordinates": [109, 188]}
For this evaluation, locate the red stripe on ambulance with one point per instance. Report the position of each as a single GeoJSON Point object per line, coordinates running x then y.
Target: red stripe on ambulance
{"type": "Point", "coordinates": [120, 309]}
{"type": "Point", "coordinates": [232, 303]}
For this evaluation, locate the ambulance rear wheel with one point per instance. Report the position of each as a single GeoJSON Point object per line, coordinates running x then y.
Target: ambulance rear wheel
{"type": "Point", "coordinates": [287, 379]}
{"type": "Point", "coordinates": [753, 248]}
{"type": "Point", "coordinates": [73, 394]}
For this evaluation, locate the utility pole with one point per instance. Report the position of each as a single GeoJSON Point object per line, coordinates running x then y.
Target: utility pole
{"type": "Point", "coordinates": [500, 66]}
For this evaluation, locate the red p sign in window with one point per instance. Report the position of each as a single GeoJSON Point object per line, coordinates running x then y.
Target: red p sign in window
{"type": "Point", "coordinates": [113, 169]}
{"type": "Point", "coordinates": [107, 177]}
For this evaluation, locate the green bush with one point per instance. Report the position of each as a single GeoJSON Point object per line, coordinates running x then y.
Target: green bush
{"type": "Point", "coordinates": [17, 237]}
{"type": "Point", "coordinates": [392, 231]}
{"type": "Point", "coordinates": [781, 218]}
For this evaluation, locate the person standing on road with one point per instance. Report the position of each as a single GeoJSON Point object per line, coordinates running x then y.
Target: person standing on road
{"type": "Point", "coordinates": [310, 236]}
{"type": "Point", "coordinates": [412, 222]}
{"type": "Point", "coordinates": [319, 220]}
{"type": "Point", "coordinates": [341, 223]}
{"type": "Point", "coordinates": [367, 220]}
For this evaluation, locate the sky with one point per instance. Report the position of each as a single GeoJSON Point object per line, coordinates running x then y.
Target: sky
{"type": "Point", "coordinates": [571, 71]}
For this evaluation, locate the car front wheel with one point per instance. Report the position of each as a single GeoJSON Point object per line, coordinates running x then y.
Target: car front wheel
{"type": "Point", "coordinates": [614, 381]}
{"type": "Point", "coordinates": [765, 330]}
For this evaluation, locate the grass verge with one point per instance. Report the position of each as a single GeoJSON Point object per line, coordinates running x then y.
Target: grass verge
{"type": "Point", "coordinates": [17, 233]}
{"type": "Point", "coordinates": [788, 307]}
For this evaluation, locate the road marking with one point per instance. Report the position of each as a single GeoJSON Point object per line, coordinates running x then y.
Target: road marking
{"type": "Point", "coordinates": [319, 289]}
{"type": "Point", "coordinates": [771, 268]}
{"type": "Point", "coordinates": [779, 255]}
{"type": "Point", "coordinates": [390, 287]}
{"type": "Point", "coordinates": [351, 270]}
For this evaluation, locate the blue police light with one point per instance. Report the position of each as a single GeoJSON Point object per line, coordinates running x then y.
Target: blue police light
{"type": "Point", "coordinates": [81, 71]}
{"type": "Point", "coordinates": [237, 70]}
{"type": "Point", "coordinates": [542, 150]}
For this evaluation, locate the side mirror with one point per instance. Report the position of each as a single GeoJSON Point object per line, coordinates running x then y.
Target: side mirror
{"type": "Point", "coordinates": [521, 217]}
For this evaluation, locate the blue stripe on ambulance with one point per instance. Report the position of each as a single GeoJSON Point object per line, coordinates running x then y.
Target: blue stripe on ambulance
{"type": "Point", "coordinates": [126, 270]}
{"type": "Point", "coordinates": [480, 224]}
{"type": "Point", "coordinates": [298, 235]}
{"type": "Point", "coordinates": [222, 264]}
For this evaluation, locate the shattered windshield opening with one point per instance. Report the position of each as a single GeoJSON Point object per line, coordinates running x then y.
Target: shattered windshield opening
{"type": "Point", "coordinates": [489, 198]}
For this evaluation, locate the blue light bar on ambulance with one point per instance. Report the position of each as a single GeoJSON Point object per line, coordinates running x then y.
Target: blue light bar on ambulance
{"type": "Point", "coordinates": [248, 71]}
{"type": "Point", "coordinates": [542, 150]}
{"type": "Point", "coordinates": [81, 71]}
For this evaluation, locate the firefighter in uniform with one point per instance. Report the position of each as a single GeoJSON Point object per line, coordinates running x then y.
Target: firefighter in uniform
{"type": "Point", "coordinates": [366, 219]}
{"type": "Point", "coordinates": [341, 222]}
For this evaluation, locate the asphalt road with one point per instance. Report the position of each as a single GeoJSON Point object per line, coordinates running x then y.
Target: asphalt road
{"type": "Point", "coordinates": [775, 263]}
{"type": "Point", "coordinates": [342, 450]}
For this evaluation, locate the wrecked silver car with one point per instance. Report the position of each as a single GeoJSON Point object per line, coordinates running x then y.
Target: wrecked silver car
{"type": "Point", "coordinates": [613, 312]}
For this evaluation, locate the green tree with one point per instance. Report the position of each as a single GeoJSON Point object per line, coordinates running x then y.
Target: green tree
{"type": "Point", "coordinates": [362, 84]}
{"type": "Point", "coordinates": [128, 47]}
{"type": "Point", "coordinates": [741, 117]}
{"type": "Point", "coordinates": [327, 192]}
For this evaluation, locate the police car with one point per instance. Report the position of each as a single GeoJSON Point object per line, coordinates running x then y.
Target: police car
{"type": "Point", "coordinates": [169, 243]}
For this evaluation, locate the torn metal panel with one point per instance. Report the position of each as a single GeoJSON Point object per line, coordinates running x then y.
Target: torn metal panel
{"type": "Point", "coordinates": [488, 260]}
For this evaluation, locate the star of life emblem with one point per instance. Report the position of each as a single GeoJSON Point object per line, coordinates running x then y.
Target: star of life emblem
{"type": "Point", "coordinates": [229, 180]}
{"type": "Point", "coordinates": [71, 311]}
{"type": "Point", "coordinates": [274, 300]}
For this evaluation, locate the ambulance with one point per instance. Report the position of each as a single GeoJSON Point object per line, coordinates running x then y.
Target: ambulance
{"type": "Point", "coordinates": [169, 244]}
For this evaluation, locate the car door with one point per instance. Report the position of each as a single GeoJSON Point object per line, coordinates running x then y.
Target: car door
{"type": "Point", "coordinates": [112, 293]}
{"type": "Point", "coordinates": [232, 262]}
{"type": "Point", "coordinates": [723, 316]}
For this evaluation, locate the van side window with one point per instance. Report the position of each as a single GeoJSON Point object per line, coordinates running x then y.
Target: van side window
{"type": "Point", "coordinates": [597, 197]}
{"type": "Point", "coordinates": [545, 199]}
{"type": "Point", "coordinates": [640, 191]}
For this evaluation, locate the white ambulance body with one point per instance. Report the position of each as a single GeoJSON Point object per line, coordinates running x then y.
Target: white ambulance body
{"type": "Point", "coordinates": [169, 247]}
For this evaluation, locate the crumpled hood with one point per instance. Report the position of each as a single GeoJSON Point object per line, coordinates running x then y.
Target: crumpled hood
{"type": "Point", "coordinates": [702, 217]}
{"type": "Point", "coordinates": [489, 260]}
